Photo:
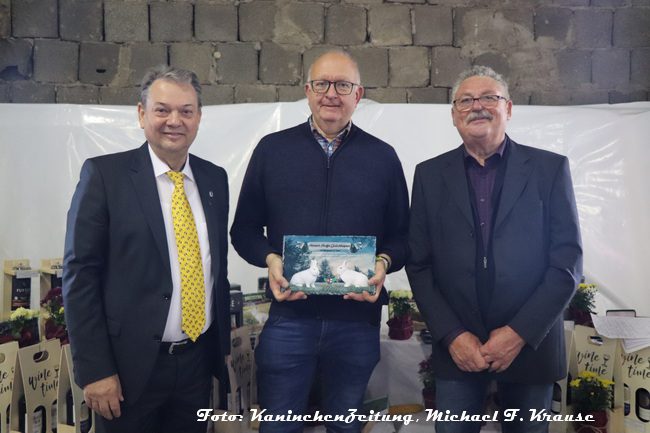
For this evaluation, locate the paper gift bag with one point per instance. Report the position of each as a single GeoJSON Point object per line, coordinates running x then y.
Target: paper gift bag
{"type": "Point", "coordinates": [73, 414]}
{"type": "Point", "coordinates": [635, 372]}
{"type": "Point", "coordinates": [8, 356]}
{"type": "Point", "coordinates": [34, 396]}
{"type": "Point", "coordinates": [560, 404]}
{"type": "Point", "coordinates": [598, 354]}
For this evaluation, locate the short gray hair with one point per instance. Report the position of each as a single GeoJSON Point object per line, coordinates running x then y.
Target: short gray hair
{"type": "Point", "coordinates": [335, 51]}
{"type": "Point", "coordinates": [164, 72]}
{"type": "Point", "coordinates": [480, 71]}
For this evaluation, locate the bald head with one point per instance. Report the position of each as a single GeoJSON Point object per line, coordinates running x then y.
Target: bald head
{"type": "Point", "coordinates": [336, 57]}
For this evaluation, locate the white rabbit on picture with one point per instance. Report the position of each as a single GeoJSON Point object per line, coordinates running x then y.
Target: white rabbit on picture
{"type": "Point", "coordinates": [350, 277]}
{"type": "Point", "coordinates": [306, 277]}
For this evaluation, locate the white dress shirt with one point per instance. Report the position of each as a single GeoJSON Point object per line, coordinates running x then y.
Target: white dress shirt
{"type": "Point", "coordinates": [165, 189]}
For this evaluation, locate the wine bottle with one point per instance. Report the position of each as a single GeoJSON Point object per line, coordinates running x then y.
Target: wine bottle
{"type": "Point", "coordinates": [643, 404]}
{"type": "Point", "coordinates": [54, 412]}
{"type": "Point", "coordinates": [86, 420]}
{"type": "Point", "coordinates": [556, 403]}
{"type": "Point", "coordinates": [626, 399]}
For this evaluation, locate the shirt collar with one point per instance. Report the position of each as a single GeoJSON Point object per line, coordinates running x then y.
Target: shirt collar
{"type": "Point", "coordinates": [160, 167]}
{"type": "Point", "coordinates": [341, 134]}
{"type": "Point", "coordinates": [500, 150]}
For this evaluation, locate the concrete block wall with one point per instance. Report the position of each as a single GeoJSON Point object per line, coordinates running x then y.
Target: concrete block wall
{"type": "Point", "coordinates": [553, 52]}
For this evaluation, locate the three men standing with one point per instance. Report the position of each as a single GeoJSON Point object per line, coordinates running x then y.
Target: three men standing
{"type": "Point", "coordinates": [495, 256]}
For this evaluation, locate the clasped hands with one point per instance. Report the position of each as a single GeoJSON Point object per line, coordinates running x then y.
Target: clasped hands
{"type": "Point", "coordinates": [277, 283]}
{"type": "Point", "coordinates": [495, 355]}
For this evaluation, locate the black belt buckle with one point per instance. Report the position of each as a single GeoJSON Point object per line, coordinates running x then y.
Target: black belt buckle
{"type": "Point", "coordinates": [177, 347]}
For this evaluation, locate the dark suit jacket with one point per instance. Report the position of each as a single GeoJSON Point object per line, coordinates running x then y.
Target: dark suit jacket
{"type": "Point", "coordinates": [117, 281]}
{"type": "Point", "coordinates": [537, 256]}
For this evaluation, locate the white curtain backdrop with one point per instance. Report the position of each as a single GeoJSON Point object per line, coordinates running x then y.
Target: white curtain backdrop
{"type": "Point", "coordinates": [42, 148]}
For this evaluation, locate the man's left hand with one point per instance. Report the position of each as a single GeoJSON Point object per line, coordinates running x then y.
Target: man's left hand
{"type": "Point", "coordinates": [502, 348]}
{"type": "Point", "coordinates": [377, 280]}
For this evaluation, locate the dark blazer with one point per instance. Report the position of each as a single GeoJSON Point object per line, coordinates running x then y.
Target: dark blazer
{"type": "Point", "coordinates": [117, 281]}
{"type": "Point", "coordinates": [536, 250]}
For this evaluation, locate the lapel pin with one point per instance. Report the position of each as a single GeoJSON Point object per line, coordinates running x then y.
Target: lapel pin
{"type": "Point", "coordinates": [211, 194]}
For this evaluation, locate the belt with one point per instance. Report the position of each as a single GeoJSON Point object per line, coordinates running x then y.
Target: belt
{"type": "Point", "coordinates": [177, 347]}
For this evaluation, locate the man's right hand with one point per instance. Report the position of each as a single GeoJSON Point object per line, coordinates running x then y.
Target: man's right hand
{"type": "Point", "coordinates": [464, 351]}
{"type": "Point", "coordinates": [104, 396]}
{"type": "Point", "coordinates": [277, 281]}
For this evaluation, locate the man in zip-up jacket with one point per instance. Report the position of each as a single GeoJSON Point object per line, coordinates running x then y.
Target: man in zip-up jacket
{"type": "Point", "coordinates": [323, 177]}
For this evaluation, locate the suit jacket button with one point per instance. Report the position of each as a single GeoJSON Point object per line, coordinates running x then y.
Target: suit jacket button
{"type": "Point", "coordinates": [167, 296]}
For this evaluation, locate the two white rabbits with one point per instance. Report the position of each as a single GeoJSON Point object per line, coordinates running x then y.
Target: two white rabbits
{"type": "Point", "coordinates": [306, 277]}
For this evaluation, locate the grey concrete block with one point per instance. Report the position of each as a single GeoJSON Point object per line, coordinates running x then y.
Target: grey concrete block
{"type": "Point", "coordinates": [245, 93]}
{"type": "Point", "coordinates": [390, 25]}
{"type": "Point", "coordinates": [446, 64]}
{"type": "Point", "coordinates": [55, 61]}
{"type": "Point", "coordinates": [551, 97]}
{"type": "Point", "coordinates": [126, 21]}
{"type": "Point", "coordinates": [346, 25]}
{"type": "Point", "coordinates": [5, 21]}
{"type": "Point", "coordinates": [428, 95]}
{"type": "Point", "coordinates": [119, 95]}
{"type": "Point", "coordinates": [409, 66]}
{"type": "Point", "coordinates": [30, 92]}
{"type": "Point", "coordinates": [588, 97]}
{"type": "Point", "coordinates": [257, 20]}
{"type": "Point", "coordinates": [35, 18]}
{"type": "Point", "coordinates": [592, 28]}
{"type": "Point", "coordinates": [406, 1]}
{"type": "Point", "coordinates": [237, 63]}
{"type": "Point", "coordinates": [632, 27]}
{"type": "Point", "coordinates": [77, 94]}
{"type": "Point", "coordinates": [15, 58]}
{"type": "Point", "coordinates": [373, 65]}
{"type": "Point", "coordinates": [500, 62]}
{"type": "Point", "coordinates": [310, 55]}
{"type": "Point", "coordinates": [299, 23]}
{"type": "Point", "coordinates": [520, 97]}
{"type": "Point", "coordinates": [171, 21]}
{"type": "Point", "coordinates": [215, 22]}
{"type": "Point", "coordinates": [502, 29]}
{"type": "Point", "coordinates": [386, 95]}
{"type": "Point", "coordinates": [80, 20]}
{"type": "Point", "coordinates": [196, 57]}
{"type": "Point", "coordinates": [616, 97]}
{"type": "Point", "coordinates": [574, 67]}
{"type": "Point", "coordinates": [98, 62]}
{"type": "Point", "coordinates": [610, 3]}
{"type": "Point", "coordinates": [552, 23]}
{"type": "Point", "coordinates": [609, 69]}
{"type": "Point", "coordinates": [4, 93]}
{"type": "Point", "coordinates": [291, 93]}
{"type": "Point", "coordinates": [364, 2]}
{"type": "Point", "coordinates": [141, 56]}
{"type": "Point", "coordinates": [640, 67]}
{"type": "Point", "coordinates": [280, 64]}
{"type": "Point", "coordinates": [217, 95]}
{"type": "Point", "coordinates": [568, 3]}
{"type": "Point", "coordinates": [433, 25]}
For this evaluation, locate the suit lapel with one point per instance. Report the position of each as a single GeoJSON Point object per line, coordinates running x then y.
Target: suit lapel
{"type": "Point", "coordinates": [144, 183]}
{"type": "Point", "coordinates": [209, 200]}
{"type": "Point", "coordinates": [456, 182]}
{"type": "Point", "coordinates": [517, 173]}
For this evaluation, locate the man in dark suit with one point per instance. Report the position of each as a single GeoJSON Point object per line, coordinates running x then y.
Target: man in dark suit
{"type": "Point", "coordinates": [145, 278]}
{"type": "Point", "coordinates": [495, 256]}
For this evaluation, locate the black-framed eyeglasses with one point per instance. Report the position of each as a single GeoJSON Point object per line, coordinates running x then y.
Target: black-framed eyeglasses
{"type": "Point", "coordinates": [341, 87]}
{"type": "Point", "coordinates": [487, 101]}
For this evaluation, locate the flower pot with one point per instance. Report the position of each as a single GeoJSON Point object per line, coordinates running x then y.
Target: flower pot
{"type": "Point", "coordinates": [400, 328]}
{"type": "Point", "coordinates": [580, 317]}
{"type": "Point", "coordinates": [52, 330]}
{"type": "Point", "coordinates": [429, 398]}
{"type": "Point", "coordinates": [598, 425]}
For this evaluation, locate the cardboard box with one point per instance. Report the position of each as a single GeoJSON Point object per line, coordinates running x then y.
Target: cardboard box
{"type": "Point", "coordinates": [17, 287]}
{"type": "Point", "coordinates": [635, 373]}
{"type": "Point", "coordinates": [70, 400]}
{"type": "Point", "coordinates": [34, 396]}
{"type": "Point", "coordinates": [8, 356]}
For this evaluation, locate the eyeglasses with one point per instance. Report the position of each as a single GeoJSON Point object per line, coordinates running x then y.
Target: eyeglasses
{"type": "Point", "coordinates": [341, 87]}
{"type": "Point", "coordinates": [487, 101]}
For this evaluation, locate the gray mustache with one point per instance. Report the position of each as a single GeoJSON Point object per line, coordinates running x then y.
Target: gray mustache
{"type": "Point", "coordinates": [477, 115]}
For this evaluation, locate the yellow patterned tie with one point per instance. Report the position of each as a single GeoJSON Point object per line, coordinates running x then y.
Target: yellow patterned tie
{"type": "Point", "coordinates": [189, 258]}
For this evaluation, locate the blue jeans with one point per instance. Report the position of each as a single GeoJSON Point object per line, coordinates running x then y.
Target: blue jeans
{"type": "Point", "coordinates": [469, 396]}
{"type": "Point", "coordinates": [293, 352]}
